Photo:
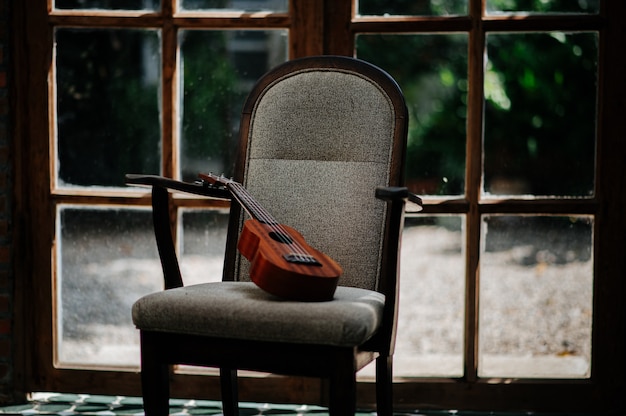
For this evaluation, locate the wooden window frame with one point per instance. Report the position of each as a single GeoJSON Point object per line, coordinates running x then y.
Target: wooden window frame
{"type": "Point", "coordinates": [472, 391]}
{"type": "Point", "coordinates": [325, 27]}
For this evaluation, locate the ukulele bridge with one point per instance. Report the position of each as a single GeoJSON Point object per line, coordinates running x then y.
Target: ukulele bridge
{"type": "Point", "coordinates": [302, 259]}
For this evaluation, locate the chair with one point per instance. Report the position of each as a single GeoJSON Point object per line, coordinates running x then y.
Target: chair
{"type": "Point", "coordinates": [322, 144]}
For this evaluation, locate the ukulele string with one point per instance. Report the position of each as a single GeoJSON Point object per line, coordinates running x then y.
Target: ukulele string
{"type": "Point", "coordinates": [256, 210]}
{"type": "Point", "coordinates": [281, 234]}
{"type": "Point", "coordinates": [259, 212]}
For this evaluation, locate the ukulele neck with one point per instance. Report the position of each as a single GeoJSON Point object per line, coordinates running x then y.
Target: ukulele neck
{"type": "Point", "coordinates": [253, 208]}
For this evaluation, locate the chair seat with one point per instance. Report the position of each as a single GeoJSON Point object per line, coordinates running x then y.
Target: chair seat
{"type": "Point", "coordinates": [241, 310]}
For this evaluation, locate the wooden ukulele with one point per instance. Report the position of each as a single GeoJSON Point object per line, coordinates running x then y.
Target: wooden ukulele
{"type": "Point", "coordinates": [282, 263]}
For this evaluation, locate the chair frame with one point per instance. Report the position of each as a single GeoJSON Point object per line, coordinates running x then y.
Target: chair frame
{"type": "Point", "coordinates": [338, 365]}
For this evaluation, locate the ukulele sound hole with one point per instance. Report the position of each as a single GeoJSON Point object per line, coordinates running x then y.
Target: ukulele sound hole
{"type": "Point", "coordinates": [281, 237]}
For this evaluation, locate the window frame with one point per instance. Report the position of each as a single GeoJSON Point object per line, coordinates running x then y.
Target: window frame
{"type": "Point", "coordinates": [472, 391]}
{"type": "Point", "coordinates": [323, 27]}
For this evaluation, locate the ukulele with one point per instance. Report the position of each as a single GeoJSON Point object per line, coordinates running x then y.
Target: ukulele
{"type": "Point", "coordinates": [282, 263]}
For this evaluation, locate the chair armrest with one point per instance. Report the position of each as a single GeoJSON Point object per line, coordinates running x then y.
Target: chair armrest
{"type": "Point", "coordinates": [396, 193]}
{"type": "Point", "coordinates": [197, 188]}
{"type": "Point", "coordinates": [162, 221]}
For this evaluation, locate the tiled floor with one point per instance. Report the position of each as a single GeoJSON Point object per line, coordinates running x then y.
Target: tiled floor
{"type": "Point", "coordinates": [80, 404]}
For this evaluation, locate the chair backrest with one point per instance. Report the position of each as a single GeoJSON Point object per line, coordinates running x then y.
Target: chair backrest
{"type": "Point", "coordinates": [318, 135]}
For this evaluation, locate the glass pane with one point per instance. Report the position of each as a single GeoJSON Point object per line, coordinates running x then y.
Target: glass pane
{"type": "Point", "coordinates": [544, 6]}
{"type": "Point", "coordinates": [540, 114]}
{"type": "Point", "coordinates": [245, 5]}
{"type": "Point", "coordinates": [107, 105]}
{"type": "Point", "coordinates": [432, 72]}
{"type": "Point", "coordinates": [220, 68]}
{"type": "Point", "coordinates": [412, 7]}
{"type": "Point", "coordinates": [432, 298]}
{"type": "Point", "coordinates": [108, 4]}
{"type": "Point", "coordinates": [107, 259]}
{"type": "Point", "coordinates": [536, 300]}
{"type": "Point", "coordinates": [203, 245]}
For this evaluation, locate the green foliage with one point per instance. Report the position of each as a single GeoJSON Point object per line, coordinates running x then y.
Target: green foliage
{"type": "Point", "coordinates": [432, 72]}
{"type": "Point", "coordinates": [546, 136]}
{"type": "Point", "coordinates": [108, 100]}
{"type": "Point", "coordinates": [209, 80]}
{"type": "Point", "coordinates": [108, 116]}
{"type": "Point", "coordinates": [544, 6]}
{"type": "Point", "coordinates": [540, 107]}
{"type": "Point", "coordinates": [412, 7]}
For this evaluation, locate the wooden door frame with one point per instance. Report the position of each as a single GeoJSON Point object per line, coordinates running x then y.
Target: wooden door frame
{"type": "Point", "coordinates": [34, 234]}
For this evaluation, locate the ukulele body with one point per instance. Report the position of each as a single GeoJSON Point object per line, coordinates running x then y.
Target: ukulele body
{"type": "Point", "coordinates": [283, 264]}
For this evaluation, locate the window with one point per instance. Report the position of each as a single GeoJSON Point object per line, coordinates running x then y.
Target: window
{"type": "Point", "coordinates": [533, 131]}
{"type": "Point", "coordinates": [107, 112]}
{"type": "Point", "coordinates": [511, 275]}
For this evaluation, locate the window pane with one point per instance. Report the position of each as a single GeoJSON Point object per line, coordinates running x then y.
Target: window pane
{"type": "Point", "coordinates": [412, 7]}
{"type": "Point", "coordinates": [108, 4]}
{"type": "Point", "coordinates": [203, 245]}
{"type": "Point", "coordinates": [220, 68]}
{"type": "Point", "coordinates": [536, 286]}
{"type": "Point", "coordinates": [432, 72]}
{"type": "Point", "coordinates": [432, 298]}
{"type": "Point", "coordinates": [107, 259]}
{"type": "Point", "coordinates": [544, 6]}
{"type": "Point", "coordinates": [107, 104]}
{"type": "Point", "coordinates": [540, 114]}
{"type": "Point", "coordinates": [246, 5]}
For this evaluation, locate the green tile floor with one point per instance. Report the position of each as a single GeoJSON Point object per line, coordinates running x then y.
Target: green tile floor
{"type": "Point", "coordinates": [81, 404]}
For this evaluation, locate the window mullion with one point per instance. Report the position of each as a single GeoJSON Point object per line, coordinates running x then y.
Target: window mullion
{"type": "Point", "coordinates": [338, 27]}
{"type": "Point", "coordinates": [169, 108]}
{"type": "Point", "coordinates": [306, 29]}
{"type": "Point", "coordinates": [473, 186]}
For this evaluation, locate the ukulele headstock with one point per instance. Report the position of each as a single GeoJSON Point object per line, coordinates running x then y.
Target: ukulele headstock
{"type": "Point", "coordinates": [217, 181]}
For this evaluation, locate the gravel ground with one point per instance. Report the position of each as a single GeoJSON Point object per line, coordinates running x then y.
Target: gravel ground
{"type": "Point", "coordinates": [535, 316]}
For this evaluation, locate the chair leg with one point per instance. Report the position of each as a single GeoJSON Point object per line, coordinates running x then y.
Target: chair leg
{"type": "Point", "coordinates": [342, 395]}
{"type": "Point", "coordinates": [230, 400]}
{"type": "Point", "coordinates": [384, 385]}
{"type": "Point", "coordinates": [155, 383]}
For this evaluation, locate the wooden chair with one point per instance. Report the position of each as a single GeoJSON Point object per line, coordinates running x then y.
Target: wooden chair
{"type": "Point", "coordinates": [322, 145]}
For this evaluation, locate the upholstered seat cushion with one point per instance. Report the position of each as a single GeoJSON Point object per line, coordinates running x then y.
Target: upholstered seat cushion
{"type": "Point", "coordinates": [241, 310]}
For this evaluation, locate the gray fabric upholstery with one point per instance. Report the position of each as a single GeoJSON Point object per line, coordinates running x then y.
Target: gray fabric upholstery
{"type": "Point", "coordinates": [240, 310]}
{"type": "Point", "coordinates": [322, 115]}
{"type": "Point", "coordinates": [319, 145]}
